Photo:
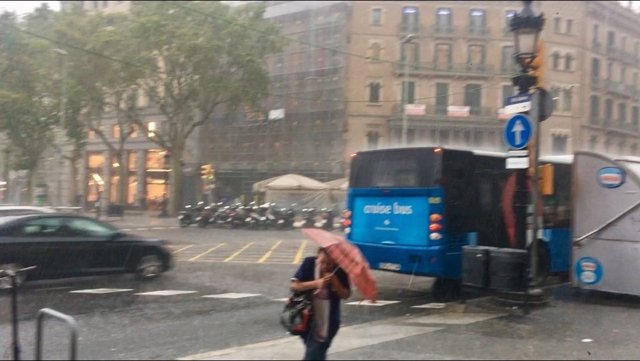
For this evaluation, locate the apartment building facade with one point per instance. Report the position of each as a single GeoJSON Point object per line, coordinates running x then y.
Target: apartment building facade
{"type": "Point", "coordinates": [339, 85]}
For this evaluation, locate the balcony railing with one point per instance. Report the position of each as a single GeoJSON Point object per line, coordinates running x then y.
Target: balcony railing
{"type": "Point", "coordinates": [410, 29]}
{"type": "Point", "coordinates": [616, 87]}
{"type": "Point", "coordinates": [442, 112]}
{"type": "Point", "coordinates": [484, 70]}
{"type": "Point", "coordinates": [478, 32]}
{"type": "Point", "coordinates": [443, 30]}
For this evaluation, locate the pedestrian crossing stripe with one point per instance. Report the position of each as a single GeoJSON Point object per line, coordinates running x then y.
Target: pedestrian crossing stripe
{"type": "Point", "coordinates": [280, 299]}
{"type": "Point", "coordinates": [431, 305]}
{"type": "Point", "coordinates": [165, 293]}
{"type": "Point", "coordinates": [232, 295]}
{"type": "Point", "coordinates": [101, 291]}
{"type": "Point", "coordinates": [456, 318]}
{"type": "Point", "coordinates": [378, 303]}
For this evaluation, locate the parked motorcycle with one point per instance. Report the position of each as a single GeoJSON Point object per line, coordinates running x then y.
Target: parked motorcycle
{"type": "Point", "coordinates": [326, 219]}
{"type": "Point", "coordinates": [188, 216]}
{"type": "Point", "coordinates": [256, 217]}
{"type": "Point", "coordinates": [207, 216]}
{"type": "Point", "coordinates": [283, 217]}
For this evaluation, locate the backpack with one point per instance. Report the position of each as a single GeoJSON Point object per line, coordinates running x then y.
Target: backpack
{"type": "Point", "coordinates": [297, 312]}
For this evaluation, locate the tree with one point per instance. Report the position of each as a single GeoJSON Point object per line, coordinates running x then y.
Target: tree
{"type": "Point", "coordinates": [103, 81]}
{"type": "Point", "coordinates": [27, 111]}
{"type": "Point", "coordinates": [203, 57]}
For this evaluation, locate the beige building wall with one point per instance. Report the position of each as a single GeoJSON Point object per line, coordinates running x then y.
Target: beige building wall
{"type": "Point", "coordinates": [570, 128]}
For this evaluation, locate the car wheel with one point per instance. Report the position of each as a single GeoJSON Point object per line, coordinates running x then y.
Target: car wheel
{"type": "Point", "coordinates": [149, 266]}
{"type": "Point", "coordinates": [5, 281]}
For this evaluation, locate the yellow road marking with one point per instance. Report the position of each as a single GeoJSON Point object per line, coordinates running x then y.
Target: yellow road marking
{"type": "Point", "coordinates": [298, 257]}
{"type": "Point", "coordinates": [182, 249]}
{"type": "Point", "coordinates": [237, 253]}
{"type": "Point", "coordinates": [207, 252]}
{"type": "Point", "coordinates": [268, 254]}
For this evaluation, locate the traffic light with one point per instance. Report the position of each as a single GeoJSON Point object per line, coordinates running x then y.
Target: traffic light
{"type": "Point", "coordinates": [207, 172]}
{"type": "Point", "coordinates": [545, 179]}
{"type": "Point", "coordinates": [537, 66]}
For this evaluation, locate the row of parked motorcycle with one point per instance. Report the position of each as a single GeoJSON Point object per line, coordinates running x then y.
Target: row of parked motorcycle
{"type": "Point", "coordinates": [254, 216]}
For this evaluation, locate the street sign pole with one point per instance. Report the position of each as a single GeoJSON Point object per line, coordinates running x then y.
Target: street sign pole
{"type": "Point", "coordinates": [535, 192]}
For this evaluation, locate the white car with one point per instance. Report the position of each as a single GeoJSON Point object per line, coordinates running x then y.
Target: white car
{"type": "Point", "coordinates": [20, 210]}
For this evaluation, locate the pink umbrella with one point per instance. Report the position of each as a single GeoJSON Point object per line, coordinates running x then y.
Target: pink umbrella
{"type": "Point", "coordinates": [349, 258]}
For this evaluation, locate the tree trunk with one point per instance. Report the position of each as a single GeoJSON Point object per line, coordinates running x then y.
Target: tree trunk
{"type": "Point", "coordinates": [73, 187]}
{"type": "Point", "coordinates": [123, 176]}
{"type": "Point", "coordinates": [175, 181]}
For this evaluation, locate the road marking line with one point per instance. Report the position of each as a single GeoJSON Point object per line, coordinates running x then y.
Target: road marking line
{"type": "Point", "coordinates": [207, 252]}
{"type": "Point", "coordinates": [431, 305]}
{"type": "Point", "coordinates": [232, 295]}
{"type": "Point", "coordinates": [290, 348]}
{"type": "Point", "coordinates": [182, 249]}
{"type": "Point", "coordinates": [101, 291]}
{"type": "Point", "coordinates": [378, 303]}
{"type": "Point", "coordinates": [165, 293]}
{"type": "Point", "coordinates": [280, 299]}
{"type": "Point", "coordinates": [237, 253]}
{"type": "Point", "coordinates": [298, 257]}
{"type": "Point", "coordinates": [268, 254]}
{"type": "Point", "coordinates": [158, 228]}
{"type": "Point", "coordinates": [455, 318]}
{"type": "Point", "coordinates": [126, 229]}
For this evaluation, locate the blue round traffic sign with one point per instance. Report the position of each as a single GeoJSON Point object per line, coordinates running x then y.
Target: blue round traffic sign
{"type": "Point", "coordinates": [517, 131]}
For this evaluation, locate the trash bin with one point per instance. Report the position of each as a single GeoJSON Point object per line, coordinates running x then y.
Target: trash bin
{"type": "Point", "coordinates": [475, 266]}
{"type": "Point", "coordinates": [507, 269]}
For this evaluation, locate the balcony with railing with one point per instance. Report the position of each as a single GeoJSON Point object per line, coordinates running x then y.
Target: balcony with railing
{"type": "Point", "coordinates": [616, 87]}
{"type": "Point", "coordinates": [443, 31]}
{"type": "Point", "coordinates": [425, 69]}
{"type": "Point", "coordinates": [446, 113]}
{"type": "Point", "coordinates": [411, 29]}
{"type": "Point", "coordinates": [478, 32]}
{"type": "Point", "coordinates": [596, 47]}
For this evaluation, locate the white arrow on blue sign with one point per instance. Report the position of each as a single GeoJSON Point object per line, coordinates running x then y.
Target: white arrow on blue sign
{"type": "Point", "coordinates": [517, 131]}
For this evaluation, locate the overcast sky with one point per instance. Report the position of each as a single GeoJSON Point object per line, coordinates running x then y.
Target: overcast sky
{"type": "Point", "coordinates": [23, 7]}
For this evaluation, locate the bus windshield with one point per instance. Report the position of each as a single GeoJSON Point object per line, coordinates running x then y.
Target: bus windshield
{"type": "Point", "coordinates": [402, 168]}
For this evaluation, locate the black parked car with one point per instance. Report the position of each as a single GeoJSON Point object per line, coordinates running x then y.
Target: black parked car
{"type": "Point", "coordinates": [64, 245]}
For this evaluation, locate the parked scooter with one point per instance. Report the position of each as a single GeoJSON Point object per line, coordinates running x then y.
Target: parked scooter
{"type": "Point", "coordinates": [283, 217]}
{"type": "Point", "coordinates": [326, 219]}
{"type": "Point", "coordinates": [206, 217]}
{"type": "Point", "coordinates": [188, 216]}
{"type": "Point", "coordinates": [256, 217]}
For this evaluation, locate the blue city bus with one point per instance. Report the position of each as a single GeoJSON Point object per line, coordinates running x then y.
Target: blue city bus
{"type": "Point", "coordinates": [410, 210]}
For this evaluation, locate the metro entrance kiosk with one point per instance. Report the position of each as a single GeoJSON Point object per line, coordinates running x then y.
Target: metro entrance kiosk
{"type": "Point", "coordinates": [606, 224]}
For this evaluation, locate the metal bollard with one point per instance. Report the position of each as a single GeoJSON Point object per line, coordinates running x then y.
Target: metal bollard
{"type": "Point", "coordinates": [73, 350]}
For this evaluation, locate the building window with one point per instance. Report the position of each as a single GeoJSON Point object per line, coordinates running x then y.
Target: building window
{"type": "Point", "coordinates": [408, 92]}
{"type": "Point", "coordinates": [595, 68]}
{"type": "Point", "coordinates": [507, 91]}
{"type": "Point", "coordinates": [555, 96]}
{"type": "Point", "coordinates": [410, 19]}
{"type": "Point", "coordinates": [473, 98]}
{"type": "Point", "coordinates": [476, 55]}
{"type": "Point", "coordinates": [559, 144]}
{"type": "Point", "coordinates": [567, 101]}
{"type": "Point", "coordinates": [508, 63]}
{"type": "Point", "coordinates": [556, 61]}
{"type": "Point", "coordinates": [623, 74]}
{"type": "Point", "coordinates": [596, 35]}
{"type": "Point", "coordinates": [116, 131]}
{"type": "Point", "coordinates": [622, 113]}
{"type": "Point", "coordinates": [595, 108]}
{"type": "Point", "coordinates": [477, 21]}
{"type": "Point", "coordinates": [611, 39]}
{"type": "Point", "coordinates": [592, 142]}
{"type": "Point", "coordinates": [442, 98]}
{"type": "Point", "coordinates": [376, 16]}
{"type": "Point", "coordinates": [374, 92]}
{"type": "Point", "coordinates": [410, 53]}
{"type": "Point", "coordinates": [556, 25]}
{"type": "Point", "coordinates": [569, 27]}
{"type": "Point", "coordinates": [152, 128]}
{"type": "Point", "coordinates": [443, 55]}
{"type": "Point", "coordinates": [374, 51]}
{"type": "Point", "coordinates": [507, 18]}
{"type": "Point", "coordinates": [635, 81]}
{"type": "Point", "coordinates": [134, 131]}
{"type": "Point", "coordinates": [568, 62]}
{"type": "Point", "coordinates": [608, 110]}
{"type": "Point", "coordinates": [373, 139]}
{"type": "Point", "coordinates": [609, 70]}
{"type": "Point", "coordinates": [443, 20]}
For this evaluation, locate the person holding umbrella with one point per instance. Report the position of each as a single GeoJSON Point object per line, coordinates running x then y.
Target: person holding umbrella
{"type": "Point", "coordinates": [328, 284]}
{"type": "Point", "coordinates": [328, 275]}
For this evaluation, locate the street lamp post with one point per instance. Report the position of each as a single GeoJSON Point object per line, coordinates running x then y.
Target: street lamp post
{"type": "Point", "coordinates": [526, 28]}
{"type": "Point", "coordinates": [405, 86]}
{"type": "Point", "coordinates": [63, 101]}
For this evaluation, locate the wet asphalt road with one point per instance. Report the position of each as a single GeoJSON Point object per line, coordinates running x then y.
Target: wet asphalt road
{"type": "Point", "coordinates": [125, 324]}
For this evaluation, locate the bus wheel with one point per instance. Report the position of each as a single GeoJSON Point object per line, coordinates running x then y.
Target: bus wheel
{"type": "Point", "coordinates": [446, 289]}
{"type": "Point", "coordinates": [544, 265]}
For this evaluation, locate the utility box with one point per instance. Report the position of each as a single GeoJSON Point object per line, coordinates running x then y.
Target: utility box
{"type": "Point", "coordinates": [507, 269]}
{"type": "Point", "coordinates": [475, 266]}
